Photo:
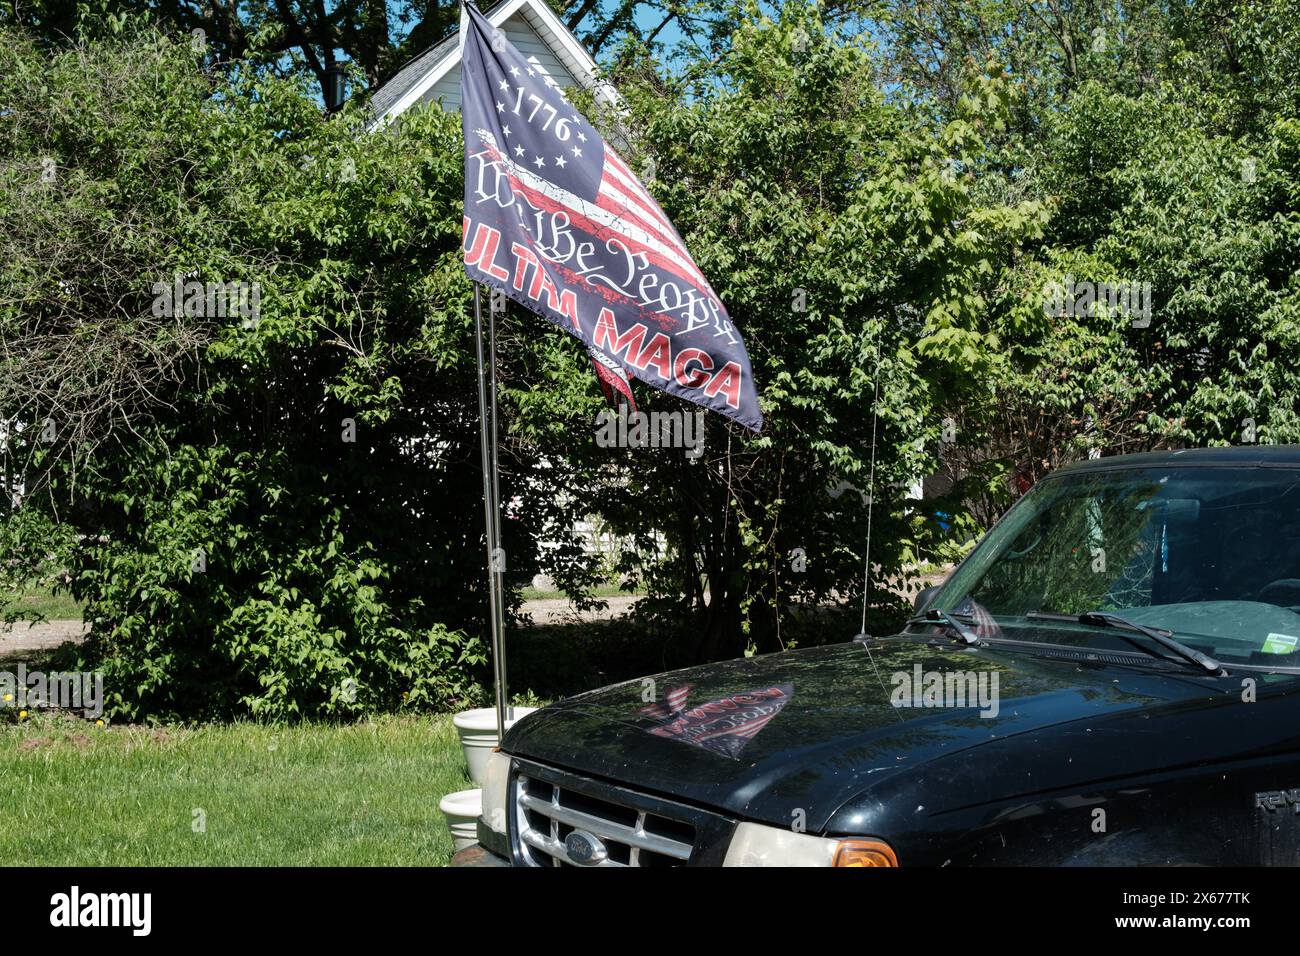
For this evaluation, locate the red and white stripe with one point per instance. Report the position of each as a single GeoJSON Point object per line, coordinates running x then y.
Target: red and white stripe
{"type": "Point", "coordinates": [613, 379]}
{"type": "Point", "coordinates": [622, 209]}
{"type": "Point", "coordinates": [676, 698]}
{"type": "Point", "coordinates": [622, 193]}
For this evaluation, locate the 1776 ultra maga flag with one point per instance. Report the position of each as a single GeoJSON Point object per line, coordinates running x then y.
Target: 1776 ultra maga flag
{"type": "Point", "coordinates": [556, 220]}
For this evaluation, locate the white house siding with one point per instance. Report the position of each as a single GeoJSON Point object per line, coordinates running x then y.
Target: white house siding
{"type": "Point", "coordinates": [526, 40]}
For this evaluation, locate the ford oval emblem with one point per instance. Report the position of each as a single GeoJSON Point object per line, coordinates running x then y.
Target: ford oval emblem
{"type": "Point", "coordinates": [584, 849]}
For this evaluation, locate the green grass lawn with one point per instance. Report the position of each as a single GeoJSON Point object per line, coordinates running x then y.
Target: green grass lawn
{"type": "Point", "coordinates": [73, 794]}
{"type": "Point", "coordinates": [45, 601]}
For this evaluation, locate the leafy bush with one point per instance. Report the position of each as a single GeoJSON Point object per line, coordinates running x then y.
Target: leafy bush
{"type": "Point", "coordinates": [269, 514]}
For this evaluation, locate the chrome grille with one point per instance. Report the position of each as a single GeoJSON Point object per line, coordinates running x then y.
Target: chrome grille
{"type": "Point", "coordinates": [546, 812]}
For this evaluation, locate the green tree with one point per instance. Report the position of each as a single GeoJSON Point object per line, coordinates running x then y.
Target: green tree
{"type": "Point", "coordinates": [276, 508]}
{"type": "Point", "coordinates": [373, 37]}
{"type": "Point", "coordinates": [843, 236]}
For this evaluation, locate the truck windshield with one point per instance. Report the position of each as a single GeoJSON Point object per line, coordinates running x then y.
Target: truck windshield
{"type": "Point", "coordinates": [1210, 555]}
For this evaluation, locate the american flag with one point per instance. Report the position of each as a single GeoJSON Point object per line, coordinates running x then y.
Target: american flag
{"type": "Point", "coordinates": [556, 220]}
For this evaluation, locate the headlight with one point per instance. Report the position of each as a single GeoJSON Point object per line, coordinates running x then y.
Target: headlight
{"type": "Point", "coordinates": [496, 790]}
{"type": "Point", "coordinates": [756, 845]}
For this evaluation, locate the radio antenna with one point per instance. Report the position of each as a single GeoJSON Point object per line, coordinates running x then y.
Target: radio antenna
{"type": "Point", "coordinates": [871, 491]}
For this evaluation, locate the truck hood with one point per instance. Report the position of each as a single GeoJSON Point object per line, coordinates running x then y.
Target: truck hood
{"type": "Point", "coordinates": [766, 738]}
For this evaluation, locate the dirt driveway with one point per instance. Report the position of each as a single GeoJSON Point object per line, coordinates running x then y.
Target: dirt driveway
{"type": "Point", "coordinates": [24, 638]}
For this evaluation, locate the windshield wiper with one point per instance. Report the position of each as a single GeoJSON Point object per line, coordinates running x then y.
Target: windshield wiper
{"type": "Point", "coordinates": [1161, 637]}
{"type": "Point", "coordinates": [935, 616]}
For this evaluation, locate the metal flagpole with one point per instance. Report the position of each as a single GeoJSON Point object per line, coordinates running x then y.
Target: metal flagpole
{"type": "Point", "coordinates": [495, 557]}
{"type": "Point", "coordinates": [499, 567]}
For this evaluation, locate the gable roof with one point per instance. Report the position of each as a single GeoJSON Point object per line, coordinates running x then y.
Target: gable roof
{"type": "Point", "coordinates": [530, 25]}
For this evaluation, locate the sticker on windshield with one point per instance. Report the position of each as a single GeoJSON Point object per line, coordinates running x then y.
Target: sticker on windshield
{"type": "Point", "coordinates": [1279, 644]}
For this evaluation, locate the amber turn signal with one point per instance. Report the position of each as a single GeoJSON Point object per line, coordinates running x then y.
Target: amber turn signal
{"type": "Point", "coordinates": [864, 853]}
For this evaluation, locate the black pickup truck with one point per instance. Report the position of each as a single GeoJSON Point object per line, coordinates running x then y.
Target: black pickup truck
{"type": "Point", "coordinates": [1110, 678]}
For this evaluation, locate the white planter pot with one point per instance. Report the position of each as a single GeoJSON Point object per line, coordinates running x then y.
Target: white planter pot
{"type": "Point", "coordinates": [462, 810]}
{"type": "Point", "coordinates": [478, 735]}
